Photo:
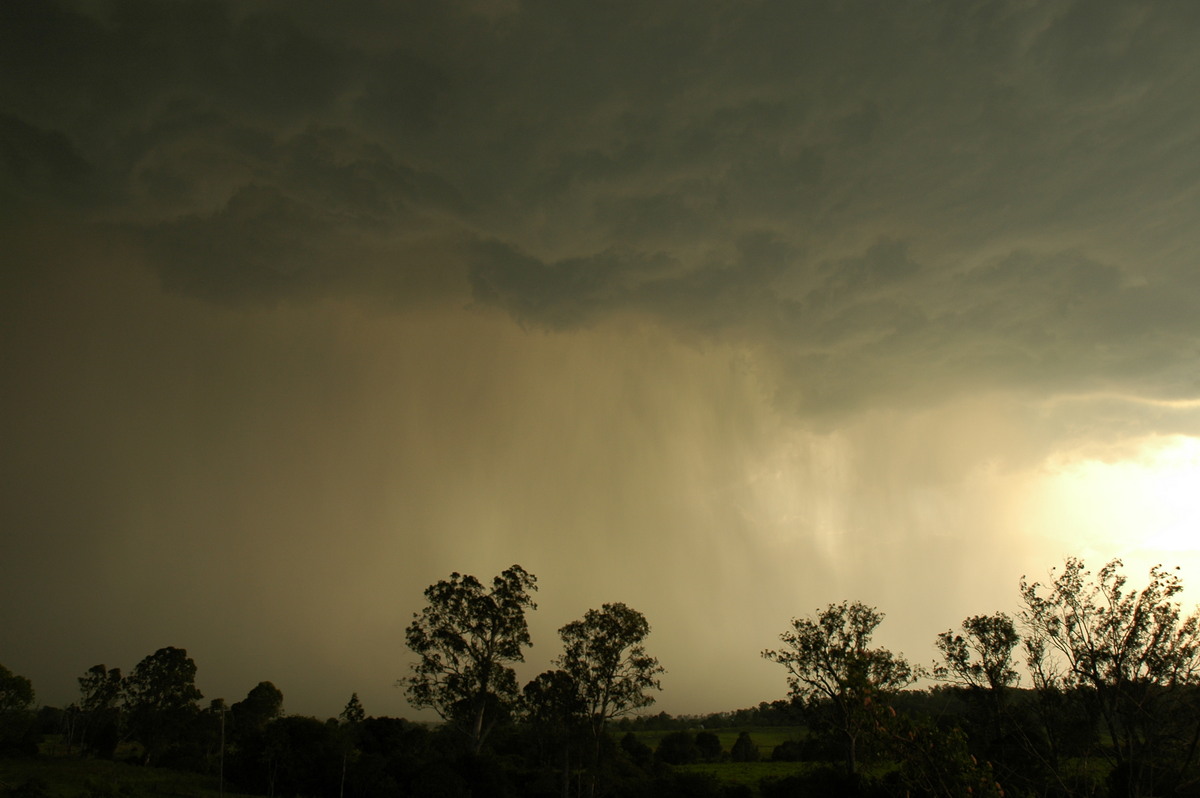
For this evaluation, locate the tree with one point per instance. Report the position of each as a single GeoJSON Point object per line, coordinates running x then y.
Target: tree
{"type": "Point", "coordinates": [351, 718]}
{"type": "Point", "coordinates": [829, 659]}
{"type": "Point", "coordinates": [16, 692]}
{"type": "Point", "coordinates": [261, 705]}
{"type": "Point", "coordinates": [1130, 652]}
{"type": "Point", "coordinates": [99, 692]}
{"type": "Point", "coordinates": [982, 657]}
{"type": "Point", "coordinates": [979, 661]}
{"type": "Point", "coordinates": [161, 698]}
{"type": "Point", "coordinates": [353, 714]}
{"type": "Point", "coordinates": [603, 652]}
{"type": "Point", "coordinates": [557, 713]}
{"type": "Point", "coordinates": [17, 733]}
{"type": "Point", "coordinates": [604, 655]}
{"type": "Point", "coordinates": [465, 638]}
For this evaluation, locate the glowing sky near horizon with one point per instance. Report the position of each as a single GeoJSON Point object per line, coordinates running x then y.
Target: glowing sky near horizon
{"type": "Point", "coordinates": [724, 310]}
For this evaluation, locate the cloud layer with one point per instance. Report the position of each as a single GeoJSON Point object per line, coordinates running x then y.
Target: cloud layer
{"type": "Point", "coordinates": [887, 203]}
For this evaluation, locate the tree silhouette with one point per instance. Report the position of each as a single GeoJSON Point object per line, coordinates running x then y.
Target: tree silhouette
{"type": "Point", "coordinates": [261, 705]}
{"type": "Point", "coordinates": [161, 697]}
{"type": "Point", "coordinates": [603, 653]}
{"type": "Point", "coordinates": [99, 692]}
{"type": "Point", "coordinates": [465, 638]}
{"type": "Point", "coordinates": [981, 657]}
{"type": "Point", "coordinates": [16, 692]}
{"type": "Point", "coordinates": [558, 715]}
{"type": "Point", "coordinates": [351, 718]}
{"type": "Point", "coordinates": [1132, 654]}
{"type": "Point", "coordinates": [16, 727]}
{"type": "Point", "coordinates": [829, 659]}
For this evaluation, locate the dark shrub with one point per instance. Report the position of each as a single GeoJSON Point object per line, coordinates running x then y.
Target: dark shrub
{"type": "Point", "coordinates": [709, 746]}
{"type": "Point", "coordinates": [678, 748]}
{"type": "Point", "coordinates": [744, 749]}
{"type": "Point", "coordinates": [638, 752]}
{"type": "Point", "coordinates": [788, 751]}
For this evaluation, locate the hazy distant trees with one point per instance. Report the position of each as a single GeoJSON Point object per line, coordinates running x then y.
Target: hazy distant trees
{"type": "Point", "coordinates": [161, 700]}
{"type": "Point", "coordinates": [829, 661]}
{"type": "Point", "coordinates": [466, 637]}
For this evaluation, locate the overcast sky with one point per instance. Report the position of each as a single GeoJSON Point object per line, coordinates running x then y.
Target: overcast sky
{"type": "Point", "coordinates": [725, 310]}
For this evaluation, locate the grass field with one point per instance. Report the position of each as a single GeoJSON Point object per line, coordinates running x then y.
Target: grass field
{"type": "Point", "coordinates": [765, 738]}
{"type": "Point", "coordinates": [748, 773]}
{"type": "Point", "coordinates": [70, 777]}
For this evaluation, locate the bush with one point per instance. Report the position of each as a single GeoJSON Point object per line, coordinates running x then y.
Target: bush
{"type": "Point", "coordinates": [788, 751]}
{"type": "Point", "coordinates": [678, 748]}
{"type": "Point", "coordinates": [709, 746]}
{"type": "Point", "coordinates": [638, 752]}
{"type": "Point", "coordinates": [744, 749]}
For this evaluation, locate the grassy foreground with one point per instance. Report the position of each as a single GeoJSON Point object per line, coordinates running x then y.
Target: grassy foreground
{"type": "Point", "coordinates": [72, 777]}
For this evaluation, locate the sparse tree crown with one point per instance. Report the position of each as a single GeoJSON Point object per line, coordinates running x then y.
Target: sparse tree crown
{"type": "Point", "coordinates": [603, 652]}
{"type": "Point", "coordinates": [465, 638]}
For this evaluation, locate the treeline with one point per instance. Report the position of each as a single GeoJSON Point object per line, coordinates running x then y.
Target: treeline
{"type": "Point", "coordinates": [1108, 705]}
{"type": "Point", "coordinates": [773, 713]}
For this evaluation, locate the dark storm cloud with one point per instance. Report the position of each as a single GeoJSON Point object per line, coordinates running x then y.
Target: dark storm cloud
{"type": "Point", "coordinates": [716, 298]}
{"type": "Point", "coordinates": [956, 195]}
{"type": "Point", "coordinates": [325, 213]}
{"type": "Point", "coordinates": [38, 165]}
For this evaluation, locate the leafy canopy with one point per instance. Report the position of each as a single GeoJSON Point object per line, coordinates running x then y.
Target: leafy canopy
{"type": "Point", "coordinates": [980, 657]}
{"type": "Point", "coordinates": [16, 692]}
{"type": "Point", "coordinates": [1105, 634]}
{"type": "Point", "coordinates": [830, 656]}
{"type": "Point", "coordinates": [603, 653]}
{"type": "Point", "coordinates": [465, 639]}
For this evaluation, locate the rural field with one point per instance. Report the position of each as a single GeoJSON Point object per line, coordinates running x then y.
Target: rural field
{"type": "Point", "coordinates": [750, 774]}
{"type": "Point", "coordinates": [50, 776]}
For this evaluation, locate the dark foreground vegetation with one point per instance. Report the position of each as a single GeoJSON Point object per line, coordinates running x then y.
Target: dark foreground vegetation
{"type": "Point", "coordinates": [1109, 705]}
